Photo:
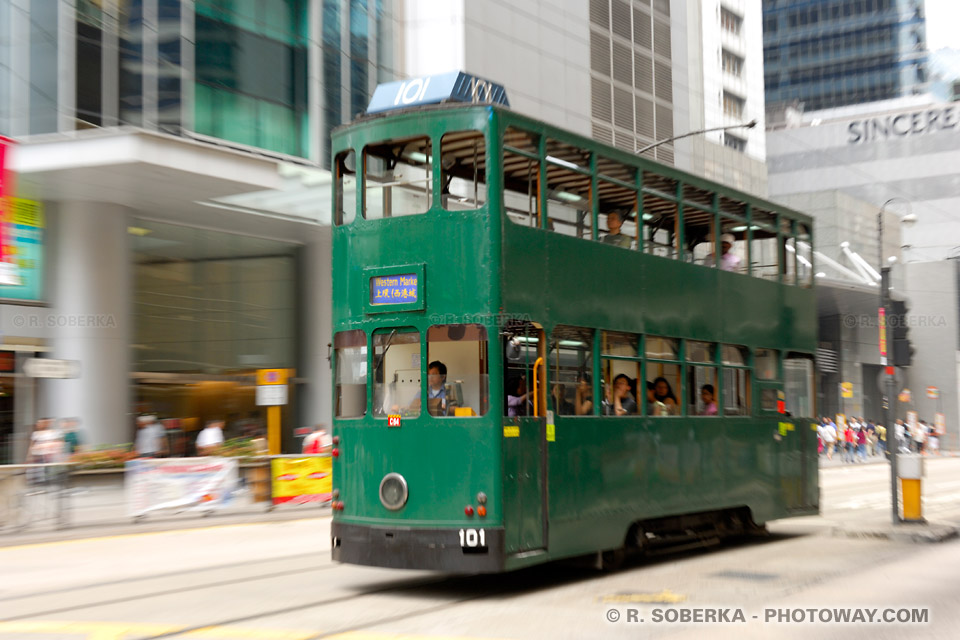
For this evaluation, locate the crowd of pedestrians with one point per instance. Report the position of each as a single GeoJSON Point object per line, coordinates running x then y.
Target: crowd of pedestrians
{"type": "Point", "coordinates": [856, 440]}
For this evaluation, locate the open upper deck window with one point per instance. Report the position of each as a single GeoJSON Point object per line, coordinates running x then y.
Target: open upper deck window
{"type": "Point", "coordinates": [521, 177]}
{"type": "Point", "coordinates": [398, 177]}
{"type": "Point", "coordinates": [345, 169]}
{"type": "Point", "coordinates": [463, 162]}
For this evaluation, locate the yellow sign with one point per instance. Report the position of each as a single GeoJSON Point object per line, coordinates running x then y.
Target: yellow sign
{"type": "Point", "coordinates": [551, 432]}
{"type": "Point", "coordinates": [846, 389]}
{"type": "Point", "coordinates": [272, 376]}
{"type": "Point", "coordinates": [904, 396]}
{"type": "Point", "coordinates": [511, 432]}
{"type": "Point", "coordinates": [301, 480]}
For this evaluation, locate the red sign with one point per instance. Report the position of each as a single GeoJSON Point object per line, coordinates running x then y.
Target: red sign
{"type": "Point", "coordinates": [393, 421]}
{"type": "Point", "coordinates": [6, 189]}
{"type": "Point", "coordinates": [883, 333]}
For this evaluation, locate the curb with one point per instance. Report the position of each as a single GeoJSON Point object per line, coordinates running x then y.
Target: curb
{"type": "Point", "coordinates": [918, 533]}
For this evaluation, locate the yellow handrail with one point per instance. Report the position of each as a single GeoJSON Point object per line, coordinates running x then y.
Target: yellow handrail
{"type": "Point", "coordinates": [536, 386]}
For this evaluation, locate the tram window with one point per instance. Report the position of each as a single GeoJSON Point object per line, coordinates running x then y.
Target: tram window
{"type": "Point", "coordinates": [397, 178]}
{"type": "Point", "coordinates": [521, 190]}
{"type": "Point", "coordinates": [765, 362]}
{"type": "Point", "coordinates": [571, 371]}
{"type": "Point", "coordinates": [396, 372]}
{"type": "Point", "coordinates": [351, 361]}
{"type": "Point", "coordinates": [618, 214]}
{"type": "Point", "coordinates": [621, 380]}
{"type": "Point", "coordinates": [699, 352]}
{"type": "Point", "coordinates": [346, 168]}
{"type": "Point", "coordinates": [804, 256]}
{"type": "Point", "coordinates": [698, 223]}
{"type": "Point", "coordinates": [660, 215]}
{"type": "Point", "coordinates": [768, 399]}
{"type": "Point", "coordinates": [464, 389]}
{"type": "Point", "coordinates": [735, 355]}
{"type": "Point", "coordinates": [463, 162]}
{"type": "Point", "coordinates": [663, 388]}
{"type": "Point", "coordinates": [569, 208]}
{"type": "Point", "coordinates": [788, 257]}
{"type": "Point", "coordinates": [702, 391]}
{"type": "Point", "coordinates": [764, 251]}
{"type": "Point", "coordinates": [662, 348]}
{"type": "Point", "coordinates": [798, 385]}
{"type": "Point", "coordinates": [736, 392]}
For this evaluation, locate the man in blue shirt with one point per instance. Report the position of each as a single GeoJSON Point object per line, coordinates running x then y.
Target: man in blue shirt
{"type": "Point", "coordinates": [436, 391]}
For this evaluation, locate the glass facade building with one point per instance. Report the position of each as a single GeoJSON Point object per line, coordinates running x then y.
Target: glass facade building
{"type": "Point", "coordinates": [831, 53]}
{"type": "Point", "coordinates": [232, 70]}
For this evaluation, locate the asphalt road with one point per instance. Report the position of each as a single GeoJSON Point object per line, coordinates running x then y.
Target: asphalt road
{"type": "Point", "coordinates": [275, 580]}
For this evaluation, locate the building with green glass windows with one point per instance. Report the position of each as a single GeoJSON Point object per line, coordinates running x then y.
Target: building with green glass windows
{"type": "Point", "coordinates": [170, 227]}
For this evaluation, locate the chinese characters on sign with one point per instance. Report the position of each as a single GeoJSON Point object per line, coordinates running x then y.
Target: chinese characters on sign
{"type": "Point", "coordinates": [394, 289]}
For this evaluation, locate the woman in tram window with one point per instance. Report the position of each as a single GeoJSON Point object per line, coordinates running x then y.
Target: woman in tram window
{"type": "Point", "coordinates": [620, 401]}
{"type": "Point", "coordinates": [518, 398]}
{"type": "Point", "coordinates": [664, 402]}
{"type": "Point", "coordinates": [584, 400]}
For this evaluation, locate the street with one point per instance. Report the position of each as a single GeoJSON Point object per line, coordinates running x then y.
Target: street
{"type": "Point", "coordinates": [267, 580]}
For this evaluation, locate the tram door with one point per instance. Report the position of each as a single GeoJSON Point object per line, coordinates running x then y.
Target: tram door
{"type": "Point", "coordinates": [524, 439]}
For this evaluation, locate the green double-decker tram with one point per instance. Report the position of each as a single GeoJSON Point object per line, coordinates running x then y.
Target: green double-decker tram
{"type": "Point", "coordinates": [595, 378]}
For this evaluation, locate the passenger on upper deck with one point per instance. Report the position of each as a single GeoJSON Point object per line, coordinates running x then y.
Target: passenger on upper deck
{"type": "Point", "coordinates": [664, 402]}
{"type": "Point", "coordinates": [614, 237]}
{"type": "Point", "coordinates": [729, 261]}
{"type": "Point", "coordinates": [620, 402]}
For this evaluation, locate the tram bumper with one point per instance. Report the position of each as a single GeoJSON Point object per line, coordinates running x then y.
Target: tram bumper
{"type": "Point", "coordinates": [416, 548]}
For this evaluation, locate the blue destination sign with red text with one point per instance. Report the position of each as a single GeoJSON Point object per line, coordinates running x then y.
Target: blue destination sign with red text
{"type": "Point", "coordinates": [394, 289]}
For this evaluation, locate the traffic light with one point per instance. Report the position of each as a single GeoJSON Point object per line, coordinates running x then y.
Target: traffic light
{"type": "Point", "coordinates": [902, 349]}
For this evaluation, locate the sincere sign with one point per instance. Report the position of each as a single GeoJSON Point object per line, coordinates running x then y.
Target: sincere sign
{"type": "Point", "coordinates": [394, 289]}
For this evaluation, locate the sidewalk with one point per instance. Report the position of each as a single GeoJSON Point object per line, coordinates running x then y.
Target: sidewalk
{"type": "Point", "coordinates": [102, 511]}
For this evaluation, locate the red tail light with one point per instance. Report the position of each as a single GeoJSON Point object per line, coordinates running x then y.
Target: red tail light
{"type": "Point", "coordinates": [468, 510]}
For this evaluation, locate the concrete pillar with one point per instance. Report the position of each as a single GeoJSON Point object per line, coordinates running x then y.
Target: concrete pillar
{"type": "Point", "coordinates": [317, 287]}
{"type": "Point", "coordinates": [91, 319]}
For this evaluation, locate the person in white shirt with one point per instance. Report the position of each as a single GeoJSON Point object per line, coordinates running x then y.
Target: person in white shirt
{"type": "Point", "coordinates": [151, 438]}
{"type": "Point", "coordinates": [829, 436]}
{"type": "Point", "coordinates": [210, 439]}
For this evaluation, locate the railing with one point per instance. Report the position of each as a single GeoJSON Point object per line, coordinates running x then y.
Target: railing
{"type": "Point", "coordinates": [45, 497]}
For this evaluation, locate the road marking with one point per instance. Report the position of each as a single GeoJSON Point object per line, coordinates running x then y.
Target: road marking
{"type": "Point", "coordinates": [123, 631]}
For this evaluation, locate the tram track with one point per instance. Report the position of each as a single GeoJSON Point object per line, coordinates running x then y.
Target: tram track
{"type": "Point", "coordinates": [177, 590]}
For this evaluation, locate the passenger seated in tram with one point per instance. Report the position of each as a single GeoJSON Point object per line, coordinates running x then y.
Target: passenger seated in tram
{"type": "Point", "coordinates": [619, 400]}
{"type": "Point", "coordinates": [561, 405]}
{"type": "Point", "coordinates": [614, 237]}
{"type": "Point", "coordinates": [729, 261]}
{"type": "Point", "coordinates": [709, 400]}
{"type": "Point", "coordinates": [583, 403]}
{"type": "Point", "coordinates": [518, 398]}
{"type": "Point", "coordinates": [664, 402]}
{"type": "Point", "coordinates": [439, 402]}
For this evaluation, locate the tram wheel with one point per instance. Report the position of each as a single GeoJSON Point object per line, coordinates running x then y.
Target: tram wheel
{"type": "Point", "coordinates": [612, 560]}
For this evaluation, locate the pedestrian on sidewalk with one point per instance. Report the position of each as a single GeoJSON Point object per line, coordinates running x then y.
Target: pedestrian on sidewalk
{"type": "Point", "coordinates": [210, 439]}
{"type": "Point", "coordinates": [829, 435]}
{"type": "Point", "coordinates": [151, 439]}
{"type": "Point", "coordinates": [862, 441]}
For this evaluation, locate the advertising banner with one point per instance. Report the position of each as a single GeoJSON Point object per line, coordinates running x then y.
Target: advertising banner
{"type": "Point", "coordinates": [21, 271]}
{"type": "Point", "coordinates": [301, 480]}
{"type": "Point", "coordinates": [201, 484]}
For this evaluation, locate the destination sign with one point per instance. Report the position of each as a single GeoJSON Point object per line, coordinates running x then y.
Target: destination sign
{"type": "Point", "coordinates": [455, 86]}
{"type": "Point", "coordinates": [398, 289]}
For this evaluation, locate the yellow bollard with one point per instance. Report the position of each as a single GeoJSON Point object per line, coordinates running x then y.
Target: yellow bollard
{"type": "Point", "coordinates": [910, 470]}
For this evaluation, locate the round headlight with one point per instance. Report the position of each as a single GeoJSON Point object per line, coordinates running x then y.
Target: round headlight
{"type": "Point", "coordinates": [393, 491]}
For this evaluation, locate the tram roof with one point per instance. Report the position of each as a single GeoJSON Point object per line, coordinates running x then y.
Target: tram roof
{"type": "Point", "coordinates": [658, 176]}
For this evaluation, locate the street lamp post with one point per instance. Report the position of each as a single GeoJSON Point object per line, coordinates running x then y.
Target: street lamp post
{"type": "Point", "coordinates": [886, 361]}
{"type": "Point", "coordinates": [654, 145]}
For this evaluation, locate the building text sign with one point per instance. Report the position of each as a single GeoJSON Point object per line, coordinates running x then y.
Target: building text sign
{"type": "Point", "coordinates": [902, 125]}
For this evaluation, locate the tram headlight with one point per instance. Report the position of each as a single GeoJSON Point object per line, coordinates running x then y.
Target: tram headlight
{"type": "Point", "coordinates": [393, 491]}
